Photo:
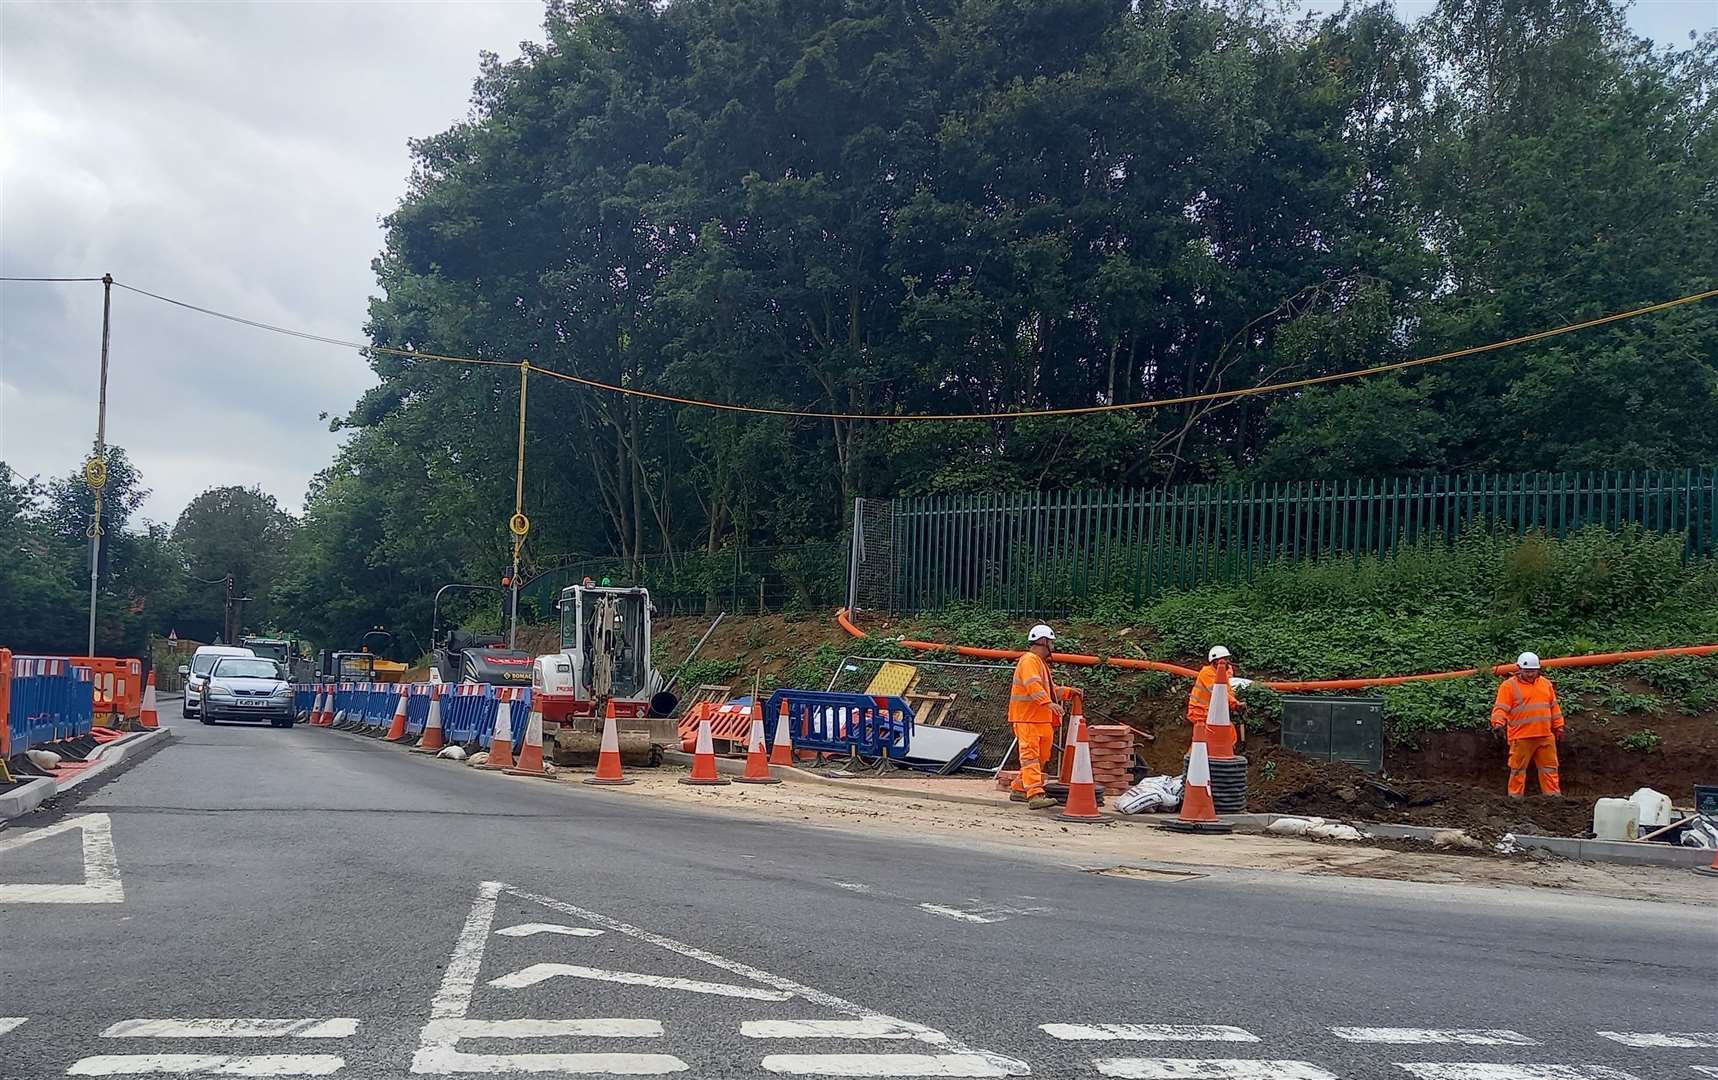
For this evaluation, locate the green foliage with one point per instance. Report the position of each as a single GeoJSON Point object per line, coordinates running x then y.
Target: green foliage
{"type": "Point", "coordinates": [704, 669]}
{"type": "Point", "coordinates": [1644, 741]}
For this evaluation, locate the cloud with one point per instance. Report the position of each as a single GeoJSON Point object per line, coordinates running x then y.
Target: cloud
{"type": "Point", "coordinates": [240, 156]}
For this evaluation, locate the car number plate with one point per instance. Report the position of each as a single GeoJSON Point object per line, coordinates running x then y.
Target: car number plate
{"type": "Point", "coordinates": [251, 704]}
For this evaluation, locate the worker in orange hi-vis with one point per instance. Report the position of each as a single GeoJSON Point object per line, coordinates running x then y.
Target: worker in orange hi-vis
{"type": "Point", "coordinates": [1033, 712]}
{"type": "Point", "coordinates": [1217, 661]}
{"type": "Point", "coordinates": [1527, 712]}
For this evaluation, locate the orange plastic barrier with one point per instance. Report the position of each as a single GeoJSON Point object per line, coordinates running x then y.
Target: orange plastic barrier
{"type": "Point", "coordinates": [1132, 664]}
{"type": "Point", "coordinates": [118, 685]}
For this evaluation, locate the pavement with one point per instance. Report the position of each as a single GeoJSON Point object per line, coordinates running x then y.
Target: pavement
{"type": "Point", "coordinates": [257, 902]}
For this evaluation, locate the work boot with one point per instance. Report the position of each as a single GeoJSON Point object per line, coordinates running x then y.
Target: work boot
{"type": "Point", "coordinates": [1016, 796]}
{"type": "Point", "coordinates": [1040, 802]}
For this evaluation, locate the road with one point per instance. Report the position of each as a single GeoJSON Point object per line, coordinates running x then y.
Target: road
{"type": "Point", "coordinates": [261, 902]}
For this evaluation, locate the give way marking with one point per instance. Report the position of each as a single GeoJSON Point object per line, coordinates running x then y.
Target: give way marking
{"type": "Point", "coordinates": [101, 869]}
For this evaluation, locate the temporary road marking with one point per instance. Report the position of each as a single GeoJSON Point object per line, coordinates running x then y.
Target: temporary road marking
{"type": "Point", "coordinates": [1463, 1036]}
{"type": "Point", "coordinates": [1476, 1070]}
{"type": "Point", "coordinates": [883, 1065]}
{"type": "Point", "coordinates": [339, 1028]}
{"type": "Point", "coordinates": [530, 928]}
{"type": "Point", "coordinates": [957, 913]}
{"type": "Point", "coordinates": [445, 1059]}
{"type": "Point", "coordinates": [1668, 1040]}
{"type": "Point", "coordinates": [208, 1065]}
{"type": "Point", "coordinates": [449, 1030]}
{"type": "Point", "coordinates": [867, 1027]}
{"type": "Point", "coordinates": [1148, 1032]}
{"type": "Point", "coordinates": [101, 883]}
{"type": "Point", "coordinates": [7, 1023]}
{"type": "Point", "coordinates": [537, 973]}
{"type": "Point", "coordinates": [1209, 1069]}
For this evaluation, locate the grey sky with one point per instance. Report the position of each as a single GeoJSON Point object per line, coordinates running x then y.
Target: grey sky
{"type": "Point", "coordinates": [239, 156]}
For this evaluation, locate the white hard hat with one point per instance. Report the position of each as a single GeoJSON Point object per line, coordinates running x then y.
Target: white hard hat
{"type": "Point", "coordinates": [1217, 653]}
{"type": "Point", "coordinates": [1528, 660]}
{"type": "Point", "coordinates": [1041, 632]}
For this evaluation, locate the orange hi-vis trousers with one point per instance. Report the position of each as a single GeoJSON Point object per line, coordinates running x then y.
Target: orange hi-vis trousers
{"type": "Point", "coordinates": [1541, 752]}
{"type": "Point", "coordinates": [1035, 743]}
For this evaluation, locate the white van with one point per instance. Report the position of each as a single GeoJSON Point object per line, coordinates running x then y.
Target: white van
{"type": "Point", "coordinates": [197, 671]}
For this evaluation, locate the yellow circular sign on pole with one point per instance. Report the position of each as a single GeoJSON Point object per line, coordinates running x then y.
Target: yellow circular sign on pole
{"type": "Point", "coordinates": [519, 524]}
{"type": "Point", "coordinates": [95, 472]}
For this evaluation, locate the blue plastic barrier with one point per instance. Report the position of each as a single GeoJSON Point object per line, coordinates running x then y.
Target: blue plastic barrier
{"type": "Point", "coordinates": [51, 699]}
{"type": "Point", "coordinates": [835, 723]}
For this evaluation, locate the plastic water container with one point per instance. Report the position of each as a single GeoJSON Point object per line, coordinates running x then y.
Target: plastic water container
{"type": "Point", "coordinates": [1616, 819]}
{"type": "Point", "coordinates": [1654, 808]}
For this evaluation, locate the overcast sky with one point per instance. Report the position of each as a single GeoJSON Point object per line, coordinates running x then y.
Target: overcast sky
{"type": "Point", "coordinates": [239, 156]}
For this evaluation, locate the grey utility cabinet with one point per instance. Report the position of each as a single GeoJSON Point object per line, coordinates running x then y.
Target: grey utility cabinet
{"type": "Point", "coordinates": [1336, 729]}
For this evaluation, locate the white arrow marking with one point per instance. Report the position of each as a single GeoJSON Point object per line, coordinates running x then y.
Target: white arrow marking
{"type": "Point", "coordinates": [101, 869]}
{"type": "Point", "coordinates": [883, 1065]}
{"type": "Point", "coordinates": [1461, 1036]}
{"type": "Point", "coordinates": [537, 973]}
{"type": "Point", "coordinates": [338, 1028]}
{"type": "Point", "coordinates": [1654, 1040]}
{"type": "Point", "coordinates": [1209, 1069]}
{"type": "Point", "coordinates": [530, 928]}
{"type": "Point", "coordinates": [867, 1027]}
{"type": "Point", "coordinates": [1147, 1032]}
{"type": "Point", "coordinates": [208, 1065]}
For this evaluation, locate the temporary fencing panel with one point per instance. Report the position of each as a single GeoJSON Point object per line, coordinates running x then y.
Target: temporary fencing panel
{"type": "Point", "coordinates": [49, 698]}
{"type": "Point", "coordinates": [842, 723]}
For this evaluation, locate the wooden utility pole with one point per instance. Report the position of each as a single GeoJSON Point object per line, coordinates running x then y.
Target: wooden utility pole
{"type": "Point", "coordinates": [95, 471]}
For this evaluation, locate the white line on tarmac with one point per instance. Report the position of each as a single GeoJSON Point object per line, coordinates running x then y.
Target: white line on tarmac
{"type": "Point", "coordinates": [851, 886]}
{"type": "Point", "coordinates": [530, 928]}
{"type": "Point", "coordinates": [957, 913]}
{"type": "Point", "coordinates": [597, 1028]}
{"type": "Point", "coordinates": [537, 973]}
{"type": "Point", "coordinates": [1209, 1069]}
{"type": "Point", "coordinates": [7, 1023]}
{"type": "Point", "coordinates": [1476, 1070]}
{"type": "Point", "coordinates": [445, 1059]}
{"type": "Point", "coordinates": [1705, 1070]}
{"type": "Point", "coordinates": [338, 1028]}
{"type": "Point", "coordinates": [883, 1065]}
{"type": "Point", "coordinates": [1148, 1032]}
{"type": "Point", "coordinates": [453, 998]}
{"type": "Point", "coordinates": [1656, 1040]}
{"type": "Point", "coordinates": [208, 1065]}
{"type": "Point", "coordinates": [101, 883]}
{"type": "Point", "coordinates": [867, 1027]}
{"type": "Point", "coordinates": [1461, 1036]}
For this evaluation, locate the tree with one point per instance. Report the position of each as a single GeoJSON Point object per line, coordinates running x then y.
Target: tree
{"type": "Point", "coordinates": [234, 531]}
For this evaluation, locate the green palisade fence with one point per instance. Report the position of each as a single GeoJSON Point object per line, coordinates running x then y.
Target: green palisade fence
{"type": "Point", "coordinates": [1047, 552]}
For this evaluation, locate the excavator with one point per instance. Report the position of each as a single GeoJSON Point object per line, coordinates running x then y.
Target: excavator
{"type": "Point", "coordinates": [603, 667]}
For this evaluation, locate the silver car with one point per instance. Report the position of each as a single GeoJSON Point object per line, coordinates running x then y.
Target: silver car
{"type": "Point", "coordinates": [246, 688]}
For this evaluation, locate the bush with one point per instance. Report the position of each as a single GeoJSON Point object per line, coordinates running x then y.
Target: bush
{"type": "Point", "coordinates": [1644, 741]}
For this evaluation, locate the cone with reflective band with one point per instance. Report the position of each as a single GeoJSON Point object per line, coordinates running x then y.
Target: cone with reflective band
{"type": "Point", "coordinates": [327, 712]}
{"type": "Point", "coordinates": [501, 740]}
{"type": "Point", "coordinates": [530, 761]}
{"type": "Point", "coordinates": [757, 758]}
{"type": "Point", "coordinates": [1219, 730]}
{"type": "Point", "coordinates": [432, 740]}
{"type": "Point", "coordinates": [704, 760]}
{"type": "Point", "coordinates": [148, 719]}
{"type": "Point", "coordinates": [1198, 812]}
{"type": "Point", "coordinates": [1082, 792]}
{"type": "Point", "coordinates": [608, 755]}
{"type": "Point", "coordinates": [397, 728]}
{"type": "Point", "coordinates": [782, 752]}
{"type": "Point", "coordinates": [1076, 735]}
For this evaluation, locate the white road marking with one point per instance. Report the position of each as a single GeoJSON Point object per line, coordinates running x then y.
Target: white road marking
{"type": "Point", "coordinates": [852, 886]}
{"type": "Point", "coordinates": [1209, 1069]}
{"type": "Point", "coordinates": [7, 1023]}
{"type": "Point", "coordinates": [338, 1028]}
{"type": "Point", "coordinates": [883, 1065]}
{"type": "Point", "coordinates": [445, 1059]}
{"type": "Point", "coordinates": [1657, 1040]}
{"type": "Point", "coordinates": [867, 1027]}
{"type": "Point", "coordinates": [453, 999]}
{"type": "Point", "coordinates": [1705, 1070]}
{"type": "Point", "coordinates": [957, 913]}
{"type": "Point", "coordinates": [208, 1065]}
{"type": "Point", "coordinates": [530, 928]}
{"type": "Point", "coordinates": [1477, 1070]}
{"type": "Point", "coordinates": [1148, 1032]}
{"type": "Point", "coordinates": [598, 1028]}
{"type": "Point", "coordinates": [537, 973]}
{"type": "Point", "coordinates": [1462, 1036]}
{"type": "Point", "coordinates": [101, 883]}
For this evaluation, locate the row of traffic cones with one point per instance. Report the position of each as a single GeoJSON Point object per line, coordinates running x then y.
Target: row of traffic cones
{"type": "Point", "coordinates": [758, 758]}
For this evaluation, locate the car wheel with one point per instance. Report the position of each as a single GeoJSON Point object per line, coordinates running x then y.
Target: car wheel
{"type": "Point", "coordinates": [184, 711]}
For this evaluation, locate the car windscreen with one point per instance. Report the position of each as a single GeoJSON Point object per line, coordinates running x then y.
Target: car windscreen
{"type": "Point", "coordinates": [245, 668]}
{"type": "Point", "coordinates": [202, 664]}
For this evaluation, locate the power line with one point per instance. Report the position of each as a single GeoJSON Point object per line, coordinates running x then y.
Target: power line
{"type": "Point", "coordinates": [50, 279]}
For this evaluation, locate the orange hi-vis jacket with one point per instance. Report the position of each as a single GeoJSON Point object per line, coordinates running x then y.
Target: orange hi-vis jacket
{"type": "Point", "coordinates": [1199, 701]}
{"type": "Point", "coordinates": [1030, 696]}
{"type": "Point", "coordinates": [1527, 710]}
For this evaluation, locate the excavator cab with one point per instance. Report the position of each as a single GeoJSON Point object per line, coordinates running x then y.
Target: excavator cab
{"type": "Point", "coordinates": [603, 665]}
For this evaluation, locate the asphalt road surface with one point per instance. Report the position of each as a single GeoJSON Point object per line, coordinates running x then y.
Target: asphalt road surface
{"type": "Point", "coordinates": [257, 902]}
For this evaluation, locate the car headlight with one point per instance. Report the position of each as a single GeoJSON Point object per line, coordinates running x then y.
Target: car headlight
{"type": "Point", "coordinates": [221, 690]}
{"type": "Point", "coordinates": [282, 693]}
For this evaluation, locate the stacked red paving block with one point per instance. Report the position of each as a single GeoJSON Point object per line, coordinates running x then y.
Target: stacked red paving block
{"type": "Point", "coordinates": [1112, 756]}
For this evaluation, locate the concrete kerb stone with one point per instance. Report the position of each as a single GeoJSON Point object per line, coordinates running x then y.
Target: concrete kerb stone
{"type": "Point", "coordinates": [105, 758]}
{"type": "Point", "coordinates": [23, 798]}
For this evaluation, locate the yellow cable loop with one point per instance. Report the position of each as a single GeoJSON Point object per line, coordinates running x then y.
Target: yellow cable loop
{"type": "Point", "coordinates": [1023, 414]}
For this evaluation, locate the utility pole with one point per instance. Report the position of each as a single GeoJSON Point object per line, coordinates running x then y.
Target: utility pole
{"type": "Point", "coordinates": [518, 524]}
{"type": "Point", "coordinates": [95, 471]}
{"type": "Point", "coordinates": [227, 607]}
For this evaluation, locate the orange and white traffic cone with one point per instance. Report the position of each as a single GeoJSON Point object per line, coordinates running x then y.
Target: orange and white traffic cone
{"type": "Point", "coordinates": [757, 758]}
{"type": "Point", "coordinates": [309, 715]}
{"type": "Point", "coordinates": [704, 760]}
{"type": "Point", "coordinates": [501, 742]}
{"type": "Point", "coordinates": [608, 756]}
{"type": "Point", "coordinates": [431, 742]}
{"type": "Point", "coordinates": [1198, 812]}
{"type": "Point", "coordinates": [326, 707]}
{"type": "Point", "coordinates": [1709, 871]}
{"type": "Point", "coordinates": [1219, 729]}
{"type": "Point", "coordinates": [1082, 791]}
{"type": "Point", "coordinates": [530, 761]}
{"type": "Point", "coordinates": [782, 752]}
{"type": "Point", "coordinates": [1076, 736]}
{"type": "Point", "coordinates": [397, 726]}
{"type": "Point", "coordinates": [149, 719]}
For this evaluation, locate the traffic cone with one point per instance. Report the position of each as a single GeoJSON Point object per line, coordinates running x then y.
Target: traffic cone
{"type": "Point", "coordinates": [308, 716]}
{"type": "Point", "coordinates": [501, 742]}
{"type": "Point", "coordinates": [1219, 729]}
{"type": "Point", "coordinates": [1709, 871]}
{"type": "Point", "coordinates": [704, 760]}
{"type": "Point", "coordinates": [782, 752]}
{"type": "Point", "coordinates": [1198, 813]}
{"type": "Point", "coordinates": [1082, 802]}
{"type": "Point", "coordinates": [148, 719]}
{"type": "Point", "coordinates": [1077, 735]}
{"type": "Point", "coordinates": [531, 754]}
{"type": "Point", "coordinates": [608, 757]}
{"type": "Point", "coordinates": [432, 742]}
{"type": "Point", "coordinates": [326, 709]}
{"type": "Point", "coordinates": [397, 728]}
{"type": "Point", "coordinates": [757, 758]}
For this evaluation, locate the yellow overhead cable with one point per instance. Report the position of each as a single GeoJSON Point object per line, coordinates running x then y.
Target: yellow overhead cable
{"type": "Point", "coordinates": [764, 410]}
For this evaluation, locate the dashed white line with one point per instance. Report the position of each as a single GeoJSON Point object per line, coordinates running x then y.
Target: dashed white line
{"type": "Point", "coordinates": [530, 928]}
{"type": "Point", "coordinates": [337, 1028]}
{"type": "Point", "coordinates": [957, 914]}
{"type": "Point", "coordinates": [1664, 1040]}
{"type": "Point", "coordinates": [1209, 1069]}
{"type": "Point", "coordinates": [851, 886]}
{"type": "Point", "coordinates": [7, 1023]}
{"type": "Point", "coordinates": [1460, 1036]}
{"type": "Point", "coordinates": [883, 1065]}
{"type": "Point", "coordinates": [596, 1028]}
{"type": "Point", "coordinates": [537, 973]}
{"type": "Point", "coordinates": [869, 1027]}
{"type": "Point", "coordinates": [445, 1059]}
{"type": "Point", "coordinates": [1147, 1033]}
{"type": "Point", "coordinates": [207, 1065]}
{"type": "Point", "coordinates": [1480, 1070]}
